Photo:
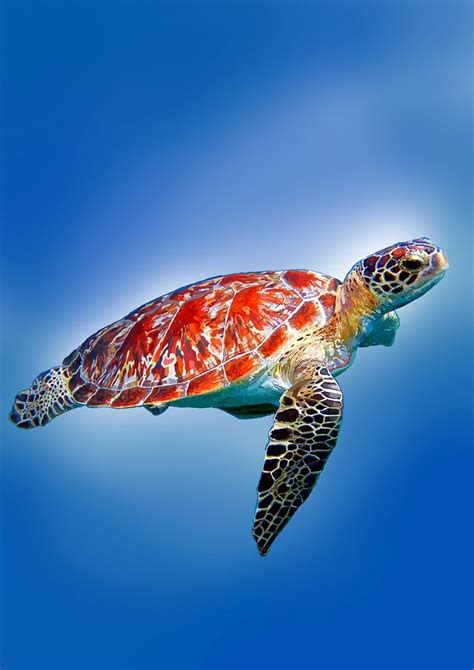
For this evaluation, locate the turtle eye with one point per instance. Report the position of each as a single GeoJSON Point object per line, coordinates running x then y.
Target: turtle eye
{"type": "Point", "coordinates": [412, 262]}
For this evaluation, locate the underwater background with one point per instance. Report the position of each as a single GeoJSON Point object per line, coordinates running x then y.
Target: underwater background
{"type": "Point", "coordinates": [152, 144]}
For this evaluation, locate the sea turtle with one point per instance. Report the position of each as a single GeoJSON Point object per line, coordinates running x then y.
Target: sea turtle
{"type": "Point", "coordinates": [250, 344]}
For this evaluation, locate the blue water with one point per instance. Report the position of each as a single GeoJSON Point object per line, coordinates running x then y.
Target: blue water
{"type": "Point", "coordinates": [152, 144]}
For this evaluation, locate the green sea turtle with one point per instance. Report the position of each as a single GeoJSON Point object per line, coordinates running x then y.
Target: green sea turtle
{"type": "Point", "coordinates": [250, 344]}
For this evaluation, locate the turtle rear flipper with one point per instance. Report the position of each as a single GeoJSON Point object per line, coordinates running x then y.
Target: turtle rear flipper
{"type": "Point", "coordinates": [47, 397]}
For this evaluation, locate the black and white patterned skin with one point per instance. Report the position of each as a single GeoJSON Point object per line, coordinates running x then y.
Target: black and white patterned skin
{"type": "Point", "coordinates": [304, 433]}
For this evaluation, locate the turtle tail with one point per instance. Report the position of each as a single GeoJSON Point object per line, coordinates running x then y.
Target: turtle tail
{"type": "Point", "coordinates": [48, 396]}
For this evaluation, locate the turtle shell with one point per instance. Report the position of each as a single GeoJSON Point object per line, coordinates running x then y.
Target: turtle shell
{"type": "Point", "coordinates": [200, 338]}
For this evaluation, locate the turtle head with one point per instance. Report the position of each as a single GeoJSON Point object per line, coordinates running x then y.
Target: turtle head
{"type": "Point", "coordinates": [403, 272]}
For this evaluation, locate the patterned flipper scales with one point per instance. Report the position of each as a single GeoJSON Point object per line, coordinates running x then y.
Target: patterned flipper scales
{"type": "Point", "coordinates": [303, 435]}
{"type": "Point", "coordinates": [47, 397]}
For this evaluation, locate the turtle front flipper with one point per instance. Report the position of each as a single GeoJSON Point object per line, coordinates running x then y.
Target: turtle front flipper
{"type": "Point", "coordinates": [383, 332]}
{"type": "Point", "coordinates": [303, 435]}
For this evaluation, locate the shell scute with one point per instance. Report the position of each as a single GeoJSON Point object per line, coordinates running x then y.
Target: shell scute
{"type": "Point", "coordinates": [328, 301]}
{"type": "Point", "coordinates": [162, 394]}
{"type": "Point", "coordinates": [100, 348]}
{"type": "Point", "coordinates": [308, 284]}
{"type": "Point", "coordinates": [194, 290]}
{"type": "Point", "coordinates": [208, 382]}
{"type": "Point", "coordinates": [193, 344]}
{"type": "Point", "coordinates": [255, 312]}
{"type": "Point", "coordinates": [102, 397]}
{"type": "Point", "coordinates": [130, 397]}
{"type": "Point", "coordinates": [242, 366]}
{"type": "Point", "coordinates": [238, 281]}
{"type": "Point", "coordinates": [308, 313]}
{"type": "Point", "coordinates": [83, 393]}
{"type": "Point", "coordinates": [275, 341]}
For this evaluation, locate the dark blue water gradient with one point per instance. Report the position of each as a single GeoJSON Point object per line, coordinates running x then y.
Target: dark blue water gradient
{"type": "Point", "coordinates": [149, 145]}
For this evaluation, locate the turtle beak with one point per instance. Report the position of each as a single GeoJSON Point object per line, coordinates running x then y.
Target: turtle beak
{"type": "Point", "coordinates": [441, 262]}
